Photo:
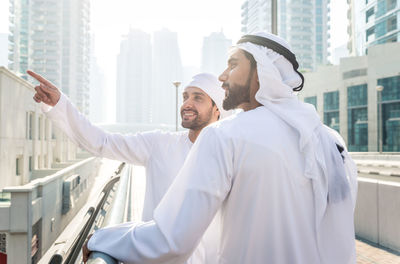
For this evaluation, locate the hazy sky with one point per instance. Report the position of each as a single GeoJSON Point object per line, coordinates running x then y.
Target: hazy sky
{"type": "Point", "coordinates": [191, 19]}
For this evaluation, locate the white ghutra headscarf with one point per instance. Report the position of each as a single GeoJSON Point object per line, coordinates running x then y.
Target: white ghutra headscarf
{"type": "Point", "coordinates": [333, 174]}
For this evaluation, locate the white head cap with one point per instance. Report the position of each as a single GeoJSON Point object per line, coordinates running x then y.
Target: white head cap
{"type": "Point", "coordinates": [212, 87]}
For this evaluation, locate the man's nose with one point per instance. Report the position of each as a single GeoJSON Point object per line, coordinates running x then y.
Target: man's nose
{"type": "Point", "coordinates": [188, 103]}
{"type": "Point", "coordinates": [223, 77]}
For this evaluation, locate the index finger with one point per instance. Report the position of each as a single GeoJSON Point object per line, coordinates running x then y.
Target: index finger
{"type": "Point", "coordinates": [39, 78]}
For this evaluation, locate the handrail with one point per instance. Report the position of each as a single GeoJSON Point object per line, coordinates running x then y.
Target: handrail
{"type": "Point", "coordinates": [119, 213]}
{"type": "Point", "coordinates": [71, 250]}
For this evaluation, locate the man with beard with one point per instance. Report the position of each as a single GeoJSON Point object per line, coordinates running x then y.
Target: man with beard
{"type": "Point", "coordinates": [284, 182]}
{"type": "Point", "coordinates": [162, 153]}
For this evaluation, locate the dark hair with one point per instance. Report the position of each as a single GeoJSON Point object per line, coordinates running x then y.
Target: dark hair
{"type": "Point", "coordinates": [213, 103]}
{"type": "Point", "coordinates": [250, 57]}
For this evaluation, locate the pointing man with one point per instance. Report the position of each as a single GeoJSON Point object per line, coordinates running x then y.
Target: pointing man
{"type": "Point", "coordinates": [162, 153]}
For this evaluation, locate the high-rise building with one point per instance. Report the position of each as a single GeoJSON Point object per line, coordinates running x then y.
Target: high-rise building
{"type": "Point", "coordinates": [304, 24]}
{"type": "Point", "coordinates": [52, 38]}
{"type": "Point", "coordinates": [134, 78]}
{"type": "Point", "coordinates": [215, 53]}
{"type": "Point", "coordinates": [3, 49]}
{"type": "Point", "coordinates": [19, 36]}
{"type": "Point", "coordinates": [98, 104]}
{"type": "Point", "coordinates": [76, 52]}
{"type": "Point", "coordinates": [372, 22]}
{"type": "Point", "coordinates": [167, 68]}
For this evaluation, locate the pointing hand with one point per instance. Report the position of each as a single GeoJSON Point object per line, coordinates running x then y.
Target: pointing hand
{"type": "Point", "coordinates": [46, 92]}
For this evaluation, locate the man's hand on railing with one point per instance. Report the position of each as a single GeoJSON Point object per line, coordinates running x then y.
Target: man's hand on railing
{"type": "Point", "coordinates": [85, 251]}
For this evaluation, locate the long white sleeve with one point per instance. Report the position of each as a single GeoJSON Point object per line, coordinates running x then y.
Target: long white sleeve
{"type": "Point", "coordinates": [129, 148]}
{"type": "Point", "coordinates": [183, 214]}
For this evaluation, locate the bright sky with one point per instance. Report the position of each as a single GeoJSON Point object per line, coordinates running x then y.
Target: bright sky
{"type": "Point", "coordinates": [192, 19]}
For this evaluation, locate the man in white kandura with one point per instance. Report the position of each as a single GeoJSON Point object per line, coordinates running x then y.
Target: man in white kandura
{"type": "Point", "coordinates": [162, 153]}
{"type": "Point", "coordinates": [284, 181]}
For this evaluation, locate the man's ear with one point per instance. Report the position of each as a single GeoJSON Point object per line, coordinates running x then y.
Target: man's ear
{"type": "Point", "coordinates": [217, 113]}
{"type": "Point", "coordinates": [255, 75]}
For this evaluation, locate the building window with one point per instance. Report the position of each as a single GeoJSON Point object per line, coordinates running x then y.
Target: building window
{"type": "Point", "coordinates": [357, 119]}
{"type": "Point", "coordinates": [311, 100]}
{"type": "Point", "coordinates": [390, 113]}
{"type": "Point", "coordinates": [30, 164]}
{"type": "Point", "coordinates": [40, 128]}
{"type": "Point", "coordinates": [381, 29]}
{"type": "Point", "coordinates": [368, 14]}
{"type": "Point", "coordinates": [18, 166]}
{"type": "Point", "coordinates": [46, 129]}
{"type": "Point", "coordinates": [370, 34]}
{"type": "Point", "coordinates": [331, 110]}
{"type": "Point", "coordinates": [391, 4]}
{"type": "Point", "coordinates": [392, 23]}
{"type": "Point", "coordinates": [354, 73]}
{"type": "Point", "coordinates": [29, 125]}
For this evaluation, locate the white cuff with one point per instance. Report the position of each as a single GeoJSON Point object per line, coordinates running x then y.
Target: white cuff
{"type": "Point", "coordinates": [50, 110]}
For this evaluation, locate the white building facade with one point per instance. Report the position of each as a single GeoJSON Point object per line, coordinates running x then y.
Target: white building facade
{"type": "Point", "coordinates": [37, 162]}
{"type": "Point", "coordinates": [28, 141]}
{"type": "Point", "coordinates": [347, 99]}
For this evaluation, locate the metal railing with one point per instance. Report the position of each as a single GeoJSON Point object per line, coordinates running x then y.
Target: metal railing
{"type": "Point", "coordinates": [70, 252]}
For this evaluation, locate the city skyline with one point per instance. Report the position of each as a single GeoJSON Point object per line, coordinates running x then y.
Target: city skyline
{"type": "Point", "coordinates": [191, 20]}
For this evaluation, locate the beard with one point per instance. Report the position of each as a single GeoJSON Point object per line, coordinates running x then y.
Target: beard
{"type": "Point", "coordinates": [236, 94]}
{"type": "Point", "coordinates": [199, 122]}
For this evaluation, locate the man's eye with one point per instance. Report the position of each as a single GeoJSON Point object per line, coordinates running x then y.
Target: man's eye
{"type": "Point", "coordinates": [232, 66]}
{"type": "Point", "coordinates": [198, 98]}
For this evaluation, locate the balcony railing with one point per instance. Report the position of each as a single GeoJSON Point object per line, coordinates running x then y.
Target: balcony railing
{"type": "Point", "coordinates": [101, 213]}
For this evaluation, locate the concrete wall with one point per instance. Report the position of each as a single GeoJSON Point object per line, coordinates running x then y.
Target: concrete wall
{"type": "Point", "coordinates": [377, 214]}
{"type": "Point", "coordinates": [40, 201]}
{"type": "Point", "coordinates": [15, 105]}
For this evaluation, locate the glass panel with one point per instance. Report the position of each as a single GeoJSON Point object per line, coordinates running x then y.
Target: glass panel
{"type": "Point", "coordinates": [358, 129]}
{"type": "Point", "coordinates": [311, 100]}
{"type": "Point", "coordinates": [380, 29]}
{"type": "Point", "coordinates": [368, 14]}
{"type": "Point", "coordinates": [391, 126]}
{"type": "Point", "coordinates": [391, 89]}
{"type": "Point", "coordinates": [357, 95]}
{"type": "Point", "coordinates": [331, 101]}
{"type": "Point", "coordinates": [331, 119]}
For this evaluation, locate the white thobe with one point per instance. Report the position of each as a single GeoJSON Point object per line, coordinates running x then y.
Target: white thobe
{"type": "Point", "coordinates": [251, 167]}
{"type": "Point", "coordinates": [162, 153]}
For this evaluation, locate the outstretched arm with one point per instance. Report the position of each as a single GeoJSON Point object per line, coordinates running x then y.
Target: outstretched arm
{"type": "Point", "coordinates": [183, 214]}
{"type": "Point", "coordinates": [129, 148]}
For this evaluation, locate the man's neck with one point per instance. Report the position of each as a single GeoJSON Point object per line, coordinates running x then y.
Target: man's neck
{"type": "Point", "coordinates": [249, 105]}
{"type": "Point", "coordinates": [193, 134]}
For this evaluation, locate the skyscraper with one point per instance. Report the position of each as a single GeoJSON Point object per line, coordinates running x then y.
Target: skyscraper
{"type": "Point", "coordinates": [51, 37]}
{"type": "Point", "coordinates": [3, 49]}
{"type": "Point", "coordinates": [304, 24]}
{"type": "Point", "coordinates": [97, 113]}
{"type": "Point", "coordinates": [76, 52]}
{"type": "Point", "coordinates": [372, 22]}
{"type": "Point", "coordinates": [215, 53]}
{"type": "Point", "coordinates": [134, 78]}
{"type": "Point", "coordinates": [167, 68]}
